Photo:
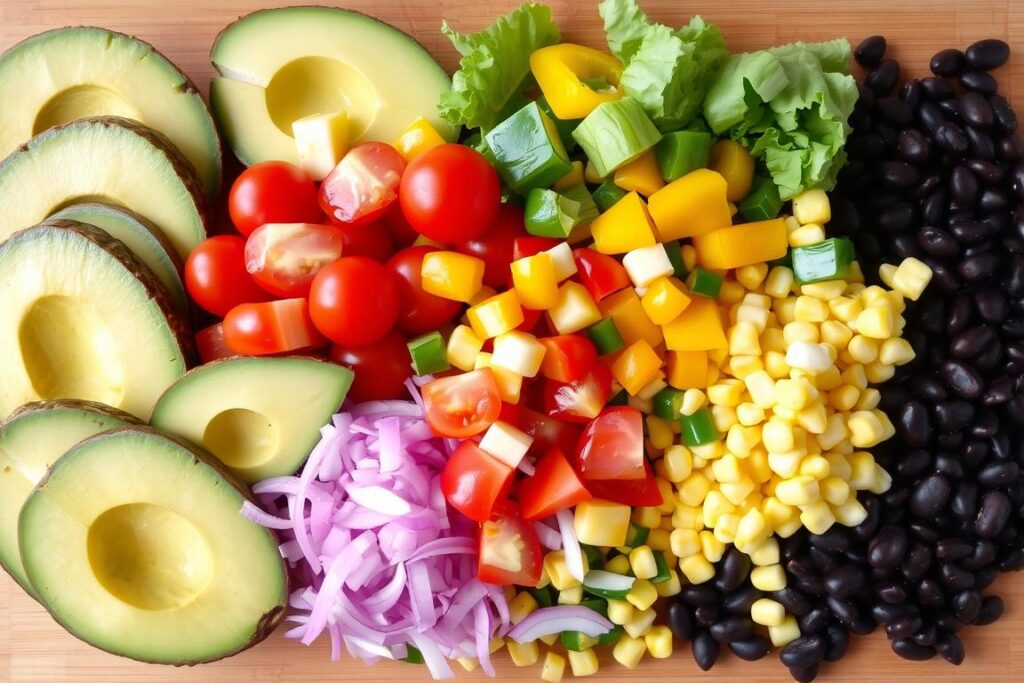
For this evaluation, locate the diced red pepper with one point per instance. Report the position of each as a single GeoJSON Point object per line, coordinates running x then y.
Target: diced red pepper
{"type": "Point", "coordinates": [568, 357]}
{"type": "Point", "coordinates": [531, 246]}
{"type": "Point", "coordinates": [530, 319]}
{"type": "Point", "coordinates": [581, 400]}
{"type": "Point", "coordinates": [636, 492]}
{"type": "Point", "coordinates": [554, 486]}
{"type": "Point", "coordinates": [600, 274]}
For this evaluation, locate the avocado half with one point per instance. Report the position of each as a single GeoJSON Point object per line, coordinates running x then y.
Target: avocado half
{"type": "Point", "coordinates": [82, 317]}
{"type": "Point", "coordinates": [31, 440]}
{"type": "Point", "coordinates": [73, 73]}
{"type": "Point", "coordinates": [111, 160]}
{"type": "Point", "coordinates": [135, 543]}
{"type": "Point", "coordinates": [280, 65]}
{"type": "Point", "coordinates": [261, 417]}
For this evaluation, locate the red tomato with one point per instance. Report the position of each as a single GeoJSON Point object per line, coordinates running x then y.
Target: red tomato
{"type": "Point", "coordinates": [531, 246]}
{"type": "Point", "coordinates": [554, 486]}
{"type": "Point", "coordinates": [380, 368]}
{"type": "Point", "coordinates": [450, 193]}
{"type": "Point", "coordinates": [464, 405]}
{"type": "Point", "coordinates": [402, 234]}
{"type": "Point", "coordinates": [215, 275]}
{"type": "Point", "coordinates": [372, 240]}
{"type": "Point", "coordinates": [420, 311]}
{"type": "Point", "coordinates": [581, 400]}
{"type": "Point", "coordinates": [211, 345]}
{"type": "Point", "coordinates": [530, 319]}
{"type": "Point", "coordinates": [364, 184]}
{"type": "Point", "coordinates": [284, 258]}
{"type": "Point", "coordinates": [547, 432]}
{"type": "Point", "coordinates": [494, 247]}
{"type": "Point", "coordinates": [354, 301]}
{"type": "Point", "coordinates": [612, 446]}
{"type": "Point", "coordinates": [599, 273]}
{"type": "Point", "coordinates": [272, 192]}
{"type": "Point", "coordinates": [569, 357]}
{"type": "Point", "coordinates": [510, 552]}
{"type": "Point", "coordinates": [269, 328]}
{"type": "Point", "coordinates": [473, 481]}
{"type": "Point", "coordinates": [636, 492]}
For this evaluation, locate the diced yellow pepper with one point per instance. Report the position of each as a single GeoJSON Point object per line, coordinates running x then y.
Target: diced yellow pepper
{"type": "Point", "coordinates": [452, 275]}
{"type": "Point", "coordinates": [688, 369]}
{"type": "Point", "coordinates": [497, 315]}
{"type": "Point", "coordinates": [534, 280]}
{"type": "Point", "coordinates": [693, 205]}
{"type": "Point", "coordinates": [736, 165]}
{"type": "Point", "coordinates": [664, 300]}
{"type": "Point", "coordinates": [742, 245]}
{"type": "Point", "coordinates": [698, 328]}
{"type": "Point", "coordinates": [627, 312]}
{"type": "Point", "coordinates": [601, 522]}
{"type": "Point", "coordinates": [574, 310]}
{"type": "Point", "coordinates": [510, 384]}
{"type": "Point", "coordinates": [573, 177]}
{"type": "Point", "coordinates": [624, 227]}
{"type": "Point", "coordinates": [635, 367]}
{"type": "Point", "coordinates": [560, 71]}
{"type": "Point", "coordinates": [641, 175]}
{"type": "Point", "coordinates": [417, 139]}
{"type": "Point", "coordinates": [463, 347]}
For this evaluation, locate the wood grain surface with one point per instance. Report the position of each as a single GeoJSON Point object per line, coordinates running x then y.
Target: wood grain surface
{"type": "Point", "coordinates": [33, 648]}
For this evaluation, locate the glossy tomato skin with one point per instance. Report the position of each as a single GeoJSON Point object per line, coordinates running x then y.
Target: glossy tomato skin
{"type": "Point", "coordinates": [554, 486]}
{"type": "Point", "coordinates": [450, 193]}
{"type": "Point", "coordinates": [612, 446]}
{"type": "Point", "coordinates": [462, 406]}
{"type": "Point", "coordinates": [419, 311]}
{"type": "Point", "coordinates": [581, 400]}
{"type": "Point", "coordinates": [371, 240]}
{"type": "Point", "coordinates": [354, 301]}
{"type": "Point", "coordinates": [215, 276]}
{"type": "Point", "coordinates": [210, 344]}
{"type": "Point", "coordinates": [600, 274]}
{"type": "Point", "coordinates": [510, 552]}
{"type": "Point", "coordinates": [642, 492]}
{"type": "Point", "coordinates": [283, 258]}
{"type": "Point", "coordinates": [568, 358]}
{"type": "Point", "coordinates": [363, 185]}
{"type": "Point", "coordinates": [272, 192]}
{"type": "Point", "coordinates": [495, 246]}
{"type": "Point", "coordinates": [380, 368]}
{"type": "Point", "coordinates": [271, 328]}
{"type": "Point", "coordinates": [547, 432]}
{"type": "Point", "coordinates": [473, 482]}
{"type": "Point", "coordinates": [402, 234]}
{"type": "Point", "coordinates": [523, 247]}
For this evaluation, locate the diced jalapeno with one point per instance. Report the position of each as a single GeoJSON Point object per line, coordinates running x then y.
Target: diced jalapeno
{"type": "Point", "coordinates": [615, 133]}
{"type": "Point", "coordinates": [636, 535]}
{"type": "Point", "coordinates": [704, 282]}
{"type": "Point", "coordinates": [664, 573]}
{"type": "Point", "coordinates": [550, 214]}
{"type": "Point", "coordinates": [605, 336]}
{"type": "Point", "coordinates": [595, 560]}
{"type": "Point", "coordinates": [828, 260]}
{"type": "Point", "coordinates": [763, 202]}
{"type": "Point", "coordinates": [528, 151]}
{"type": "Point", "coordinates": [599, 605]}
{"type": "Point", "coordinates": [607, 194]}
{"type": "Point", "coordinates": [428, 354]}
{"type": "Point", "coordinates": [699, 428]}
{"type": "Point", "coordinates": [576, 641]}
{"type": "Point", "coordinates": [681, 152]}
{"type": "Point", "coordinates": [413, 655]}
{"type": "Point", "coordinates": [611, 637]}
{"type": "Point", "coordinates": [675, 257]}
{"type": "Point", "coordinates": [545, 596]}
{"type": "Point", "coordinates": [667, 403]}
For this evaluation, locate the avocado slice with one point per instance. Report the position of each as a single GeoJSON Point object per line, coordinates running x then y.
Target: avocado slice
{"type": "Point", "coordinates": [280, 65]}
{"type": "Point", "coordinates": [260, 416]}
{"type": "Point", "coordinates": [135, 543]}
{"type": "Point", "coordinates": [31, 440]}
{"type": "Point", "coordinates": [140, 236]}
{"type": "Point", "coordinates": [108, 159]}
{"type": "Point", "coordinates": [83, 318]}
{"type": "Point", "coordinates": [71, 73]}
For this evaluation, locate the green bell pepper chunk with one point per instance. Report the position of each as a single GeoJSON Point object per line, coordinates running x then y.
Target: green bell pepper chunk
{"type": "Point", "coordinates": [704, 283]}
{"type": "Point", "coordinates": [565, 127]}
{"type": "Point", "coordinates": [599, 605]}
{"type": "Point", "coordinates": [681, 152]}
{"type": "Point", "coordinates": [588, 210]}
{"type": "Point", "coordinates": [413, 655]}
{"type": "Point", "coordinates": [612, 636]}
{"type": "Point", "coordinates": [605, 336]}
{"type": "Point", "coordinates": [675, 257]}
{"type": "Point", "coordinates": [664, 573]}
{"type": "Point", "coordinates": [828, 260]}
{"type": "Point", "coordinates": [576, 641]}
{"type": "Point", "coordinates": [607, 195]}
{"type": "Point", "coordinates": [616, 133]}
{"type": "Point", "coordinates": [619, 399]}
{"type": "Point", "coordinates": [429, 354]}
{"type": "Point", "coordinates": [636, 536]}
{"type": "Point", "coordinates": [527, 149]}
{"type": "Point", "coordinates": [763, 202]}
{"type": "Point", "coordinates": [667, 403]}
{"type": "Point", "coordinates": [595, 560]}
{"type": "Point", "coordinates": [699, 428]}
{"type": "Point", "coordinates": [550, 214]}
{"type": "Point", "coordinates": [545, 596]}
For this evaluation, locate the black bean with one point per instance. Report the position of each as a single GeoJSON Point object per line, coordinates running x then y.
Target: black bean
{"type": "Point", "coordinates": [904, 627]}
{"type": "Point", "coordinates": [805, 674]}
{"type": "Point", "coordinates": [845, 581]}
{"type": "Point", "coordinates": [959, 315]}
{"type": "Point", "coordinates": [705, 649]}
{"type": "Point", "coordinates": [951, 106]}
{"type": "Point", "coordinates": [979, 81]}
{"type": "Point", "coordinates": [969, 343]}
{"type": "Point", "coordinates": [892, 593]}
{"type": "Point", "coordinates": [982, 145]}
{"type": "Point", "coordinates": [949, 62]}
{"type": "Point", "coordinates": [739, 601]}
{"type": "Point", "coordinates": [680, 620]}
{"type": "Point", "coordinates": [815, 621]}
{"type": "Point", "coordinates": [999, 391]}
{"type": "Point", "coordinates": [929, 388]}
{"type": "Point", "coordinates": [992, 305]}
{"type": "Point", "coordinates": [883, 79]}
{"type": "Point", "coordinates": [926, 636]}
{"type": "Point", "coordinates": [963, 186]}
{"type": "Point", "coordinates": [951, 137]}
{"type": "Point", "coordinates": [837, 642]}
{"type": "Point", "coordinates": [930, 496]}
{"type": "Point", "coordinates": [867, 148]}
{"type": "Point", "coordinates": [700, 594]}
{"type": "Point", "coordinates": [949, 622]}
{"type": "Point", "coordinates": [732, 570]}
{"type": "Point", "coordinates": [991, 610]}
{"type": "Point", "coordinates": [984, 554]}
{"type": "Point", "coordinates": [919, 559]}
{"type": "Point", "coordinates": [751, 649]}
{"type": "Point", "coordinates": [1012, 560]}
{"type": "Point", "coordinates": [999, 474]}
{"type": "Point", "coordinates": [732, 629]}
{"type": "Point", "coordinates": [888, 547]}
{"type": "Point", "coordinates": [951, 649]}
{"type": "Point", "coordinates": [835, 540]}
{"type": "Point", "coordinates": [933, 208]}
{"type": "Point", "coordinates": [1011, 148]}
{"type": "Point", "coordinates": [900, 175]}
{"type": "Point", "coordinates": [908, 649]}
{"type": "Point", "coordinates": [824, 562]}
{"type": "Point", "coordinates": [911, 93]}
{"type": "Point", "coordinates": [937, 87]}
{"type": "Point", "coordinates": [870, 51]}
{"type": "Point", "coordinates": [967, 605]}
{"type": "Point", "coordinates": [706, 615]}
{"type": "Point", "coordinates": [993, 200]}
{"type": "Point", "coordinates": [993, 514]}
{"type": "Point", "coordinates": [976, 110]}
{"type": "Point", "coordinates": [804, 651]}
{"type": "Point", "coordinates": [897, 218]}
{"type": "Point", "coordinates": [1003, 113]}
{"type": "Point", "coordinates": [843, 610]}
{"type": "Point", "coordinates": [987, 54]}
{"type": "Point", "coordinates": [986, 171]}
{"type": "Point", "coordinates": [953, 549]}
{"type": "Point", "coordinates": [931, 116]}
{"type": "Point", "coordinates": [955, 578]}
{"type": "Point", "coordinates": [962, 378]}
{"type": "Point", "coordinates": [929, 592]}
{"type": "Point", "coordinates": [905, 246]}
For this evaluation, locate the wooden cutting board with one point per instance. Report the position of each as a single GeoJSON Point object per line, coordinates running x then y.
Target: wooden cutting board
{"type": "Point", "coordinates": [33, 648]}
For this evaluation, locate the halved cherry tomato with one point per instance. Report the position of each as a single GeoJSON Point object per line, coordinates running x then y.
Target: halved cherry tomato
{"type": "Point", "coordinates": [495, 246]}
{"type": "Point", "coordinates": [270, 328]}
{"type": "Point", "coordinates": [363, 184]}
{"type": "Point", "coordinates": [211, 345]}
{"type": "Point", "coordinates": [569, 357]}
{"type": "Point", "coordinates": [464, 405]}
{"type": "Point", "coordinates": [600, 274]}
{"type": "Point", "coordinates": [284, 258]}
{"type": "Point", "coordinates": [273, 192]}
{"type": "Point", "coordinates": [450, 193]}
{"type": "Point", "coordinates": [581, 400]}
{"type": "Point", "coordinates": [612, 446]}
{"type": "Point", "coordinates": [381, 368]}
{"type": "Point", "coordinates": [215, 276]}
{"type": "Point", "coordinates": [473, 481]}
{"type": "Point", "coordinates": [636, 492]}
{"type": "Point", "coordinates": [547, 432]}
{"type": "Point", "coordinates": [372, 240]}
{"type": "Point", "coordinates": [531, 246]}
{"type": "Point", "coordinates": [354, 301]}
{"type": "Point", "coordinates": [510, 552]}
{"type": "Point", "coordinates": [554, 486]}
{"type": "Point", "coordinates": [420, 311]}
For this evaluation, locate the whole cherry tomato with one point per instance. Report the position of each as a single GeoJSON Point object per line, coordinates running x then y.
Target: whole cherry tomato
{"type": "Point", "coordinates": [354, 301]}
{"type": "Point", "coordinates": [380, 368]}
{"type": "Point", "coordinates": [215, 275]}
{"type": "Point", "coordinates": [273, 192]}
{"type": "Point", "coordinates": [420, 311]}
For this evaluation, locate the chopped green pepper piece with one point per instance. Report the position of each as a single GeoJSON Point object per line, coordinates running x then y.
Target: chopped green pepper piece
{"type": "Point", "coordinates": [565, 127]}
{"type": "Point", "coordinates": [607, 195]}
{"type": "Point", "coordinates": [619, 399]}
{"type": "Point", "coordinates": [699, 428]}
{"type": "Point", "coordinates": [704, 282]}
{"type": "Point", "coordinates": [616, 133]}
{"type": "Point", "coordinates": [588, 210]}
{"type": "Point", "coordinates": [667, 403]}
{"type": "Point", "coordinates": [528, 151]}
{"type": "Point", "coordinates": [550, 214]}
{"type": "Point", "coordinates": [611, 637]}
{"type": "Point", "coordinates": [664, 573]}
{"type": "Point", "coordinates": [636, 535]}
{"type": "Point", "coordinates": [413, 656]}
{"type": "Point", "coordinates": [681, 152]}
{"type": "Point", "coordinates": [605, 336]}
{"type": "Point", "coordinates": [429, 354]}
{"type": "Point", "coordinates": [675, 257]}
{"type": "Point", "coordinates": [599, 605]}
{"type": "Point", "coordinates": [828, 260]}
{"type": "Point", "coordinates": [595, 560]}
{"type": "Point", "coordinates": [576, 641]}
{"type": "Point", "coordinates": [786, 260]}
{"type": "Point", "coordinates": [763, 202]}
{"type": "Point", "coordinates": [545, 596]}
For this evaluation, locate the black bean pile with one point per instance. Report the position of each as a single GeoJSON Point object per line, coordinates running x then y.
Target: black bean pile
{"type": "Point", "coordinates": [936, 172]}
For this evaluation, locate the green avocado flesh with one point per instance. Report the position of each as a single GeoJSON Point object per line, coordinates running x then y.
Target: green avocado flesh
{"type": "Point", "coordinates": [83, 318]}
{"type": "Point", "coordinates": [31, 440]}
{"type": "Point", "coordinates": [73, 73]}
{"type": "Point", "coordinates": [135, 544]}
{"type": "Point", "coordinates": [260, 417]}
{"type": "Point", "coordinates": [280, 65]}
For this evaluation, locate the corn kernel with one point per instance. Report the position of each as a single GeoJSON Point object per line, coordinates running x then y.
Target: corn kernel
{"type": "Point", "coordinates": [726, 393]}
{"type": "Point", "coordinates": [659, 539]}
{"type": "Point", "coordinates": [619, 611]}
{"type": "Point", "coordinates": [778, 436]}
{"type": "Point", "coordinates": [817, 517]}
{"type": "Point", "coordinates": [757, 315]}
{"type": "Point", "coordinates": [684, 542]}
{"type": "Point", "coordinates": [753, 275]}
{"type": "Point", "coordinates": [896, 351]}
{"type": "Point", "coordinates": [523, 654]}
{"type": "Point", "coordinates": [558, 571]}
{"type": "Point", "coordinates": [866, 429]}
{"type": "Point", "coordinates": [642, 595]}
{"type": "Point", "coordinates": [775, 365]}
{"type": "Point", "coordinates": [869, 399]}
{"type": "Point", "coordinates": [768, 578]}
{"type": "Point", "coordinates": [743, 339]}
{"type": "Point", "coordinates": [911, 278]}
{"type": "Point", "coordinates": [812, 206]}
{"type": "Point", "coordinates": [765, 554]}
{"type": "Point", "coordinates": [767, 612]}
{"type": "Point", "coordinates": [779, 282]}
{"type": "Point", "coordinates": [641, 560]}
{"type": "Point", "coordinates": [687, 517]}
{"type": "Point", "coordinates": [801, 331]}
{"type": "Point", "coordinates": [629, 651]}
{"type": "Point", "coordinates": [877, 372]}
{"type": "Point", "coordinates": [806, 235]}
{"type": "Point", "coordinates": [752, 530]}
{"type": "Point", "coordinates": [738, 492]}
{"type": "Point", "coordinates": [678, 462]}
{"type": "Point", "coordinates": [810, 309]}
{"type": "Point", "coordinates": [697, 569]}
{"type": "Point", "coordinates": [707, 452]}
{"type": "Point", "coordinates": [554, 668]}
{"type": "Point", "coordinates": [673, 586]}
{"type": "Point", "coordinates": [876, 321]}
{"type": "Point", "coordinates": [523, 604]}
{"type": "Point", "coordinates": [741, 440]}
{"type": "Point", "coordinates": [571, 596]}
{"type": "Point", "coordinates": [582, 663]}
{"type": "Point", "coordinates": [749, 414]}
{"type": "Point", "coordinates": [640, 623]}
{"type": "Point", "coordinates": [800, 490]}
{"type": "Point", "coordinates": [785, 633]}
{"type": "Point", "coordinates": [710, 547]}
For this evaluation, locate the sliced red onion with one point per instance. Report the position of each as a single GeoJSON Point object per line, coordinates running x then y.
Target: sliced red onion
{"type": "Point", "coordinates": [255, 514]}
{"type": "Point", "coordinates": [548, 621]}
{"type": "Point", "coordinates": [573, 552]}
{"type": "Point", "coordinates": [548, 537]}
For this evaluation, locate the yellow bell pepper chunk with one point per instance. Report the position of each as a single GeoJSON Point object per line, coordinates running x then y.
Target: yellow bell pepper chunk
{"type": "Point", "coordinates": [452, 275]}
{"type": "Point", "coordinates": [573, 177]}
{"type": "Point", "coordinates": [742, 245]}
{"type": "Point", "coordinates": [664, 300]}
{"type": "Point", "coordinates": [561, 70]}
{"type": "Point", "coordinates": [627, 312]}
{"type": "Point", "coordinates": [640, 175]}
{"type": "Point", "coordinates": [535, 281]}
{"type": "Point", "coordinates": [510, 384]}
{"type": "Point", "coordinates": [698, 328]}
{"type": "Point", "coordinates": [624, 227]}
{"type": "Point", "coordinates": [636, 367]}
{"type": "Point", "coordinates": [574, 310]}
{"type": "Point", "coordinates": [417, 139]}
{"type": "Point", "coordinates": [691, 206]}
{"type": "Point", "coordinates": [688, 369]}
{"type": "Point", "coordinates": [736, 165]}
{"type": "Point", "coordinates": [497, 315]}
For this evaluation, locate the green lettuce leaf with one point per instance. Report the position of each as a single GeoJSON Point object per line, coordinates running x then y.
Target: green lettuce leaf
{"type": "Point", "coordinates": [494, 70]}
{"type": "Point", "coordinates": [625, 25]}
